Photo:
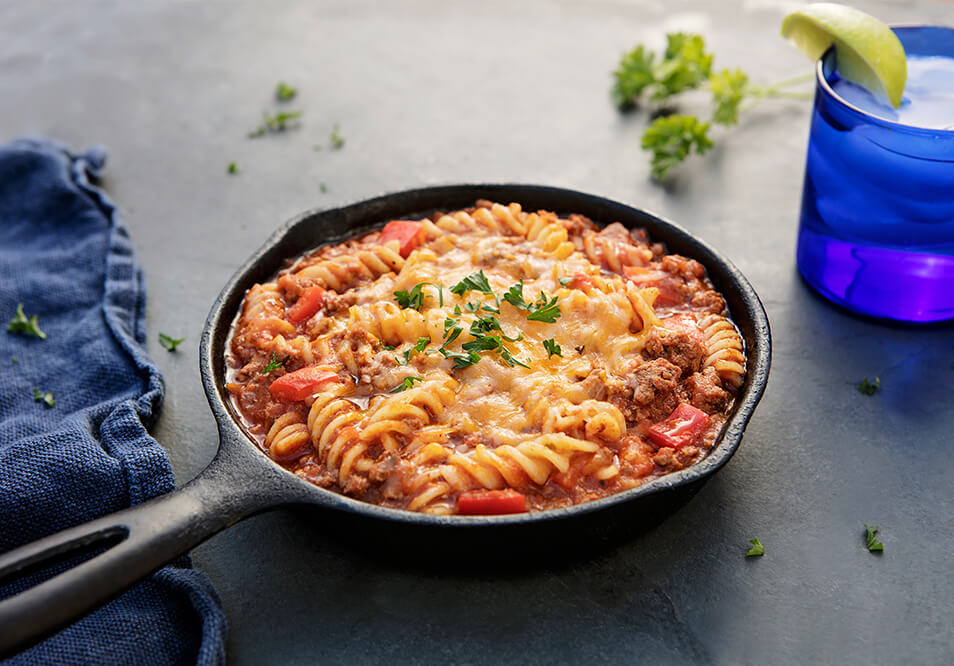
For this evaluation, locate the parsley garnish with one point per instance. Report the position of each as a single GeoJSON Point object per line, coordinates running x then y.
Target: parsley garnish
{"type": "Point", "coordinates": [285, 92]}
{"type": "Point", "coordinates": [407, 383]}
{"type": "Point", "coordinates": [232, 169]}
{"type": "Point", "coordinates": [388, 347]}
{"type": "Point", "coordinates": [871, 542]}
{"type": "Point", "coordinates": [565, 280]}
{"type": "Point", "coordinates": [45, 398]}
{"type": "Point", "coordinates": [461, 360]}
{"type": "Point", "coordinates": [169, 342]}
{"type": "Point", "coordinates": [274, 364]}
{"type": "Point", "coordinates": [757, 549]}
{"type": "Point", "coordinates": [421, 344]}
{"type": "Point", "coordinates": [869, 387]}
{"type": "Point", "coordinates": [553, 349]}
{"type": "Point", "coordinates": [414, 298]}
{"type": "Point", "coordinates": [277, 122]}
{"type": "Point", "coordinates": [20, 324]}
{"type": "Point", "coordinates": [685, 65]}
{"type": "Point", "coordinates": [15, 359]}
{"type": "Point", "coordinates": [337, 141]}
{"type": "Point", "coordinates": [451, 330]}
{"type": "Point", "coordinates": [543, 310]}
{"type": "Point", "coordinates": [514, 296]}
{"type": "Point", "coordinates": [322, 187]}
{"type": "Point", "coordinates": [473, 282]}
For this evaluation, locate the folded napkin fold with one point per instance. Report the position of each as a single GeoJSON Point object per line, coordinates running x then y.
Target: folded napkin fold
{"type": "Point", "coordinates": [66, 257]}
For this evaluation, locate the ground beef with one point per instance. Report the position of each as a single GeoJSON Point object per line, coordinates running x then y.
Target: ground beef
{"type": "Point", "coordinates": [708, 300]}
{"type": "Point", "coordinates": [707, 394]}
{"type": "Point", "coordinates": [683, 348]}
{"type": "Point", "coordinates": [650, 392]}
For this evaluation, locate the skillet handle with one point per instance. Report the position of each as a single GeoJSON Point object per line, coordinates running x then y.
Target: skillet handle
{"type": "Point", "coordinates": [139, 541]}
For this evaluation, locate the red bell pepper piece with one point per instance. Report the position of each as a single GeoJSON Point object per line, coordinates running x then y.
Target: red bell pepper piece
{"type": "Point", "coordinates": [580, 281]}
{"type": "Point", "coordinates": [491, 502]}
{"type": "Point", "coordinates": [307, 305]}
{"type": "Point", "coordinates": [669, 293]}
{"type": "Point", "coordinates": [302, 383]}
{"type": "Point", "coordinates": [408, 234]}
{"type": "Point", "coordinates": [683, 427]}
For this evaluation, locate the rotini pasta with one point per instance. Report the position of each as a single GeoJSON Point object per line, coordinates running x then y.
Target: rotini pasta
{"type": "Point", "coordinates": [486, 360]}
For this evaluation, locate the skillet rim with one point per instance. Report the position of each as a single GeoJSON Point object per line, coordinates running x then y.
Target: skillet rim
{"type": "Point", "coordinates": [370, 214]}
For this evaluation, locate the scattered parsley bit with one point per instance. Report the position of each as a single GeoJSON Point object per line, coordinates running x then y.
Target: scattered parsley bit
{"type": "Point", "coordinates": [565, 280]}
{"type": "Point", "coordinates": [407, 383]}
{"type": "Point", "coordinates": [277, 122]}
{"type": "Point", "coordinates": [461, 360]}
{"type": "Point", "coordinates": [285, 92]}
{"type": "Point", "coordinates": [274, 364]}
{"type": "Point", "coordinates": [543, 310]}
{"type": "Point", "coordinates": [388, 347]}
{"type": "Point", "coordinates": [869, 387]}
{"type": "Point", "coordinates": [473, 282]}
{"type": "Point", "coordinates": [757, 549]}
{"type": "Point", "coordinates": [323, 188]}
{"type": "Point", "coordinates": [169, 342]}
{"type": "Point", "coordinates": [232, 168]}
{"type": "Point", "coordinates": [45, 398]}
{"type": "Point", "coordinates": [452, 330]}
{"type": "Point", "coordinates": [20, 324]}
{"type": "Point", "coordinates": [15, 359]}
{"type": "Point", "coordinates": [580, 349]}
{"type": "Point", "coordinates": [337, 141]}
{"type": "Point", "coordinates": [421, 344]}
{"type": "Point", "coordinates": [553, 349]}
{"type": "Point", "coordinates": [871, 542]}
{"type": "Point", "coordinates": [414, 298]}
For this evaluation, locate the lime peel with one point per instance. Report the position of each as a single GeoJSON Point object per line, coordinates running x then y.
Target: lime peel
{"type": "Point", "coordinates": [868, 52]}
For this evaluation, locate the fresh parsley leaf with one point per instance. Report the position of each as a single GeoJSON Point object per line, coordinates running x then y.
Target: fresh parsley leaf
{"type": "Point", "coordinates": [274, 364]}
{"type": "Point", "coordinates": [20, 324]}
{"type": "Point", "coordinates": [871, 542]}
{"type": "Point", "coordinates": [684, 66]}
{"type": "Point", "coordinates": [232, 169]}
{"type": "Point", "coordinates": [510, 359]}
{"type": "Point", "coordinates": [553, 349]}
{"type": "Point", "coordinates": [45, 398]}
{"type": "Point", "coordinates": [461, 360]}
{"type": "Point", "coordinates": [868, 387]}
{"type": "Point", "coordinates": [457, 310]}
{"type": "Point", "coordinates": [757, 549]}
{"type": "Point", "coordinates": [728, 89]}
{"type": "Point", "coordinates": [633, 75]}
{"type": "Point", "coordinates": [483, 343]}
{"type": "Point", "coordinates": [514, 296]}
{"type": "Point", "coordinates": [277, 122]}
{"type": "Point", "coordinates": [472, 306]}
{"type": "Point", "coordinates": [285, 92]}
{"type": "Point", "coordinates": [414, 298]}
{"type": "Point", "coordinates": [388, 347]}
{"type": "Point", "coordinates": [408, 382]}
{"type": "Point", "coordinates": [337, 141]}
{"type": "Point", "coordinates": [565, 280]}
{"type": "Point", "coordinates": [169, 342]}
{"type": "Point", "coordinates": [421, 344]}
{"type": "Point", "coordinates": [543, 310]}
{"type": "Point", "coordinates": [671, 140]}
{"type": "Point", "coordinates": [452, 334]}
{"type": "Point", "coordinates": [473, 282]}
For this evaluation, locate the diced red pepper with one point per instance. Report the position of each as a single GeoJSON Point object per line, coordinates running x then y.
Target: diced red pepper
{"type": "Point", "coordinates": [491, 502]}
{"type": "Point", "coordinates": [408, 234]}
{"type": "Point", "coordinates": [306, 306]}
{"type": "Point", "coordinates": [580, 281]}
{"type": "Point", "coordinates": [683, 427]}
{"type": "Point", "coordinates": [666, 283]}
{"type": "Point", "coordinates": [302, 383]}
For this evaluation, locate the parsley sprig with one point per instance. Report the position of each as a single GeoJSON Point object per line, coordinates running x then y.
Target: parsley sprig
{"type": "Point", "coordinates": [414, 297]}
{"type": "Point", "coordinates": [757, 549]}
{"type": "Point", "coordinates": [686, 65]}
{"type": "Point", "coordinates": [20, 324]}
{"type": "Point", "coordinates": [169, 342]}
{"type": "Point", "coordinates": [871, 542]}
{"type": "Point", "coordinates": [406, 383]}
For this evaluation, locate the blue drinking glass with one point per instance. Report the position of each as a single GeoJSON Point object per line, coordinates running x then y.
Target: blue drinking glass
{"type": "Point", "coordinates": [876, 231]}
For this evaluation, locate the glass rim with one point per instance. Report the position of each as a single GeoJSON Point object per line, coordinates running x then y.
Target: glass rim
{"type": "Point", "coordinates": [822, 83]}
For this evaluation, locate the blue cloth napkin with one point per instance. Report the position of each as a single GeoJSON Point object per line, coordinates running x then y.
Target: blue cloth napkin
{"type": "Point", "coordinates": [65, 255]}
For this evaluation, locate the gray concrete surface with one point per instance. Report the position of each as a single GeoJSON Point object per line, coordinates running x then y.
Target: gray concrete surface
{"type": "Point", "coordinates": [429, 92]}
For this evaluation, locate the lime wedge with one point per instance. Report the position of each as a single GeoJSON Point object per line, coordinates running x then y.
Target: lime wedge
{"type": "Point", "coordinates": [869, 54]}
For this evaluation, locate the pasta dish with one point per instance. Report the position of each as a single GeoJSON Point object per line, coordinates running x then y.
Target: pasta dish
{"type": "Point", "coordinates": [486, 361]}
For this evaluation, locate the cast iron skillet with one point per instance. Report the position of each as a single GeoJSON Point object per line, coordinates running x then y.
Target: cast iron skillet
{"type": "Point", "coordinates": [242, 481]}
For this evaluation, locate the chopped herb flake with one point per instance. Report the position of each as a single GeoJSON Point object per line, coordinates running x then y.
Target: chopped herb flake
{"type": "Point", "coordinates": [543, 310]}
{"type": "Point", "coordinates": [232, 169]}
{"type": "Point", "coordinates": [473, 282]}
{"type": "Point", "coordinates": [285, 92]}
{"type": "Point", "coordinates": [45, 398]}
{"type": "Point", "coordinates": [407, 383]}
{"type": "Point", "coordinates": [421, 344]}
{"type": "Point", "coordinates": [871, 542]}
{"type": "Point", "coordinates": [414, 298]}
{"type": "Point", "coordinates": [337, 141]}
{"type": "Point", "coordinates": [868, 387]}
{"type": "Point", "coordinates": [169, 342]}
{"type": "Point", "coordinates": [553, 349]}
{"type": "Point", "coordinates": [274, 364]}
{"type": "Point", "coordinates": [20, 324]}
{"type": "Point", "coordinates": [757, 549]}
